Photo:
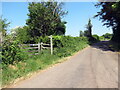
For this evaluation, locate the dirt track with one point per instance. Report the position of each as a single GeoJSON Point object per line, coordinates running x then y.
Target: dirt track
{"type": "Point", "coordinates": [90, 68]}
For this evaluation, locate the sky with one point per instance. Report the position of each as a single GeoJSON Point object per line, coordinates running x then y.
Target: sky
{"type": "Point", "coordinates": [77, 17]}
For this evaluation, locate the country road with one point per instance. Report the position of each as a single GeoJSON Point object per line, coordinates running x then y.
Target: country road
{"type": "Point", "coordinates": [92, 67]}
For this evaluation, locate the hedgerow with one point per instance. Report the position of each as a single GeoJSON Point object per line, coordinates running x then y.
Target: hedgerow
{"type": "Point", "coordinates": [63, 46]}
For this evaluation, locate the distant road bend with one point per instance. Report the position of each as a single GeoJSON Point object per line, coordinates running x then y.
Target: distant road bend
{"type": "Point", "coordinates": [89, 68]}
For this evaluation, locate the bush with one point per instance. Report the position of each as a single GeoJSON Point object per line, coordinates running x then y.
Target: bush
{"type": "Point", "coordinates": [96, 36]}
{"type": "Point", "coordinates": [101, 38]}
{"type": "Point", "coordinates": [11, 52]}
{"type": "Point", "coordinates": [21, 34]}
{"type": "Point", "coordinates": [66, 45]}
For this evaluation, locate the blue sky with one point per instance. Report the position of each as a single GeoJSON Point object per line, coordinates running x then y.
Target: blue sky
{"type": "Point", "coordinates": [77, 18]}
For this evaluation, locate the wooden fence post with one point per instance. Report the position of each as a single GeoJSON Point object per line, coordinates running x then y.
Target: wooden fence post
{"type": "Point", "coordinates": [38, 47]}
{"type": "Point", "coordinates": [41, 46]}
{"type": "Point", "coordinates": [51, 44]}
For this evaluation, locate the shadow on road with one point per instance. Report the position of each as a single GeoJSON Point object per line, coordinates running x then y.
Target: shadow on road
{"type": "Point", "coordinates": [104, 45]}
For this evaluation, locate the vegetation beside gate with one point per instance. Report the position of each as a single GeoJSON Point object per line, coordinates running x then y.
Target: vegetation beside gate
{"type": "Point", "coordinates": [18, 67]}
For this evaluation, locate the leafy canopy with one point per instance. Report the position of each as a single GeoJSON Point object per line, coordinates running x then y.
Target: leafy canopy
{"type": "Point", "coordinates": [3, 26]}
{"type": "Point", "coordinates": [110, 16]}
{"type": "Point", "coordinates": [45, 18]}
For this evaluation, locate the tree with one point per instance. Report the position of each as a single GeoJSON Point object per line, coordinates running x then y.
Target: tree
{"type": "Point", "coordinates": [110, 16]}
{"type": "Point", "coordinates": [81, 33]}
{"type": "Point", "coordinates": [107, 36]}
{"type": "Point", "coordinates": [21, 34]}
{"type": "Point", "coordinates": [86, 33]}
{"type": "Point", "coordinates": [60, 28]}
{"type": "Point", "coordinates": [89, 28]}
{"type": "Point", "coordinates": [45, 17]}
{"type": "Point", "coordinates": [3, 28]}
{"type": "Point", "coordinates": [95, 36]}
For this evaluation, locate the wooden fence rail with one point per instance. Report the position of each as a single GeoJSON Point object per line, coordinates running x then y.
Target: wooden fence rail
{"type": "Point", "coordinates": [35, 47]}
{"type": "Point", "coordinates": [38, 47]}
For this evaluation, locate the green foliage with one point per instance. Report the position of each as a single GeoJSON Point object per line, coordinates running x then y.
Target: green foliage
{"type": "Point", "coordinates": [60, 28]}
{"type": "Point", "coordinates": [44, 39]}
{"type": "Point", "coordinates": [86, 33]}
{"type": "Point", "coordinates": [110, 16]}
{"type": "Point", "coordinates": [81, 34]}
{"type": "Point", "coordinates": [63, 46]}
{"type": "Point", "coordinates": [101, 38]}
{"type": "Point", "coordinates": [89, 29]}
{"type": "Point", "coordinates": [3, 27]}
{"type": "Point", "coordinates": [11, 52]}
{"type": "Point", "coordinates": [107, 36]}
{"type": "Point", "coordinates": [96, 36]}
{"type": "Point", "coordinates": [41, 61]}
{"type": "Point", "coordinates": [45, 19]}
{"type": "Point", "coordinates": [21, 34]}
{"type": "Point", "coordinates": [67, 45]}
